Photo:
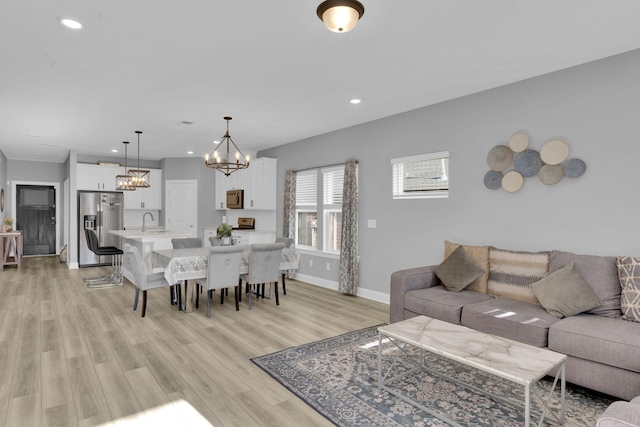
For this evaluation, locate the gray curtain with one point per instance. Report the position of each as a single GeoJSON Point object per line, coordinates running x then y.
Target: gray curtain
{"type": "Point", "coordinates": [289, 220]}
{"type": "Point", "coordinates": [348, 282]}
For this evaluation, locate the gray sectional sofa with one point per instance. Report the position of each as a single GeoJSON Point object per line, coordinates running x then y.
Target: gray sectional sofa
{"type": "Point", "coordinates": [603, 348]}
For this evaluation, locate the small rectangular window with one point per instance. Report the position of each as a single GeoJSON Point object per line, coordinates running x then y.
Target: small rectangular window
{"type": "Point", "coordinates": [422, 176]}
{"type": "Point", "coordinates": [307, 209]}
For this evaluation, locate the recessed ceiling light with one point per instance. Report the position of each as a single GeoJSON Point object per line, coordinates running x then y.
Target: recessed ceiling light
{"type": "Point", "coordinates": [114, 151]}
{"type": "Point", "coordinates": [355, 101]}
{"type": "Point", "coordinates": [189, 152]}
{"type": "Point", "coordinates": [216, 142]}
{"type": "Point", "coordinates": [35, 135]}
{"type": "Point", "coordinates": [71, 23]}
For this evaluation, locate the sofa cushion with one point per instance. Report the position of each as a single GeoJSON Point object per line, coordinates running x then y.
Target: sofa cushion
{"type": "Point", "coordinates": [629, 276]}
{"type": "Point", "coordinates": [564, 293]}
{"type": "Point", "coordinates": [439, 303]}
{"type": "Point", "coordinates": [480, 255]}
{"type": "Point", "coordinates": [620, 414]}
{"type": "Point", "coordinates": [458, 270]}
{"type": "Point", "coordinates": [610, 341]}
{"type": "Point", "coordinates": [516, 320]}
{"type": "Point", "coordinates": [512, 273]}
{"type": "Point", "coordinates": [600, 272]}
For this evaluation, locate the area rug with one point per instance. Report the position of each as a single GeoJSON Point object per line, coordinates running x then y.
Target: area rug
{"type": "Point", "coordinates": [338, 377]}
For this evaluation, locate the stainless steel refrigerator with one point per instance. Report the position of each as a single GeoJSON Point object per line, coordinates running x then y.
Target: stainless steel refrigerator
{"type": "Point", "coordinates": [101, 212]}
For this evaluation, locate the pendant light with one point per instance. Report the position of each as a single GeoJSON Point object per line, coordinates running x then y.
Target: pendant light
{"type": "Point", "coordinates": [139, 177]}
{"type": "Point", "coordinates": [227, 165]}
{"type": "Point", "coordinates": [340, 16]}
{"type": "Point", "coordinates": [123, 182]}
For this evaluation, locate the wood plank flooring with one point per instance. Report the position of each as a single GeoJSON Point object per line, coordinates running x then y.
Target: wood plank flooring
{"type": "Point", "coordinates": [73, 356]}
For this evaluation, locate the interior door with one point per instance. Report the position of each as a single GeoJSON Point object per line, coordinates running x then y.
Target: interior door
{"type": "Point", "coordinates": [181, 206]}
{"type": "Point", "coordinates": [36, 217]}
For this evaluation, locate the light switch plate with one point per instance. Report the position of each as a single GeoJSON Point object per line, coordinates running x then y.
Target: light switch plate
{"type": "Point", "coordinates": [371, 223]}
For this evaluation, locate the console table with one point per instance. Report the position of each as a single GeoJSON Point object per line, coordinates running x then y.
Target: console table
{"type": "Point", "coordinates": [10, 249]}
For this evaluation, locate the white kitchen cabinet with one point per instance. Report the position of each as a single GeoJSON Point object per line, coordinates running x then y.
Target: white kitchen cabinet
{"type": "Point", "coordinates": [208, 232]}
{"type": "Point", "coordinates": [250, 237]}
{"type": "Point", "coordinates": [260, 184]}
{"type": "Point", "coordinates": [96, 177]}
{"type": "Point", "coordinates": [146, 198]}
{"type": "Point", "coordinates": [235, 181]}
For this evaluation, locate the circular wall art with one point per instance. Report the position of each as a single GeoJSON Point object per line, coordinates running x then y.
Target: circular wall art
{"type": "Point", "coordinates": [528, 163]}
{"type": "Point", "coordinates": [554, 152]}
{"type": "Point", "coordinates": [519, 142]}
{"type": "Point", "coordinates": [500, 158]}
{"type": "Point", "coordinates": [574, 168]}
{"type": "Point", "coordinates": [550, 174]}
{"type": "Point", "coordinates": [512, 181]}
{"type": "Point", "coordinates": [493, 180]}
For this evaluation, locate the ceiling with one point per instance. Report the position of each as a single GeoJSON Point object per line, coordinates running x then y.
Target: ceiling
{"type": "Point", "coordinates": [271, 65]}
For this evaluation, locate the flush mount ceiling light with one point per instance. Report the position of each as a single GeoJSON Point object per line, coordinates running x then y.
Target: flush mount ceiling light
{"type": "Point", "coordinates": [123, 182]}
{"type": "Point", "coordinates": [340, 16]}
{"type": "Point", "coordinates": [71, 23]}
{"type": "Point", "coordinates": [227, 165]}
{"type": "Point", "coordinates": [139, 177]}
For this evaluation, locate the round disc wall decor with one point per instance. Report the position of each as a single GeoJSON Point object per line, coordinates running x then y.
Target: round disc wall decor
{"type": "Point", "coordinates": [519, 142]}
{"type": "Point", "coordinates": [493, 180]}
{"type": "Point", "coordinates": [512, 181]}
{"type": "Point", "coordinates": [528, 163]}
{"type": "Point", "coordinates": [550, 174]}
{"type": "Point", "coordinates": [500, 158]}
{"type": "Point", "coordinates": [574, 168]}
{"type": "Point", "coordinates": [554, 152]}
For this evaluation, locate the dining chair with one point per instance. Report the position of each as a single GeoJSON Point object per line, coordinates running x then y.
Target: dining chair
{"type": "Point", "coordinates": [142, 280]}
{"type": "Point", "coordinates": [288, 243]}
{"type": "Point", "coordinates": [223, 272]}
{"type": "Point", "coordinates": [115, 277]}
{"type": "Point", "coordinates": [264, 267]}
{"type": "Point", "coordinates": [182, 243]}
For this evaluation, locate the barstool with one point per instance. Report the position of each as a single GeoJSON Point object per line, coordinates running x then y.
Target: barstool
{"type": "Point", "coordinates": [113, 279]}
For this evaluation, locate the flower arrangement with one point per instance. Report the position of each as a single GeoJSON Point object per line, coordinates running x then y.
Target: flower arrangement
{"type": "Point", "coordinates": [224, 230]}
{"type": "Point", "coordinates": [8, 224]}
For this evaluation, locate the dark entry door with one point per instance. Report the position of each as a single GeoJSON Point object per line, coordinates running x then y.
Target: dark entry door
{"type": "Point", "coordinates": [36, 217]}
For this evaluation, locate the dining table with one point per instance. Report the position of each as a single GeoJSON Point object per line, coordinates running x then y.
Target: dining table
{"type": "Point", "coordinates": [182, 265]}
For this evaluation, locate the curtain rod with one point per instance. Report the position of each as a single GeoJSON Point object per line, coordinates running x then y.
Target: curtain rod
{"type": "Point", "coordinates": [323, 166]}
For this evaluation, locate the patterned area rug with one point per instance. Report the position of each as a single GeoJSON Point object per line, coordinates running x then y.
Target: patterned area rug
{"type": "Point", "coordinates": [338, 377]}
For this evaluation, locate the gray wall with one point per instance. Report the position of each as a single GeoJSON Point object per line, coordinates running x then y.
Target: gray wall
{"type": "Point", "coordinates": [185, 168]}
{"type": "Point", "coordinates": [593, 107]}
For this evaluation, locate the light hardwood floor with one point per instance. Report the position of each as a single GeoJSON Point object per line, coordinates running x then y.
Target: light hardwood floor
{"type": "Point", "coordinates": [73, 356]}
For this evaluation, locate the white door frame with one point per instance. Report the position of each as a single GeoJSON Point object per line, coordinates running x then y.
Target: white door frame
{"type": "Point", "coordinates": [56, 186]}
{"type": "Point", "coordinates": [170, 182]}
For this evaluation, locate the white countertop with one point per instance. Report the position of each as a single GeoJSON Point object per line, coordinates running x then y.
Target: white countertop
{"type": "Point", "coordinates": [149, 234]}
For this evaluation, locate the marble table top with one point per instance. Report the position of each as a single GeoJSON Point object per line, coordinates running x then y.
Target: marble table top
{"type": "Point", "coordinates": [516, 361]}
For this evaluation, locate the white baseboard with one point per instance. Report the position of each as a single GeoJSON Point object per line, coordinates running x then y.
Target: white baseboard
{"type": "Point", "coordinates": [73, 266]}
{"type": "Point", "coordinates": [330, 284]}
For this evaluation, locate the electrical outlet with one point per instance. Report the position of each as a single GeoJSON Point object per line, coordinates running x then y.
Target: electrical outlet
{"type": "Point", "coordinates": [310, 263]}
{"type": "Point", "coordinates": [328, 266]}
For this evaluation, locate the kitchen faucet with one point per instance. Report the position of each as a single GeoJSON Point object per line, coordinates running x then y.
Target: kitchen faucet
{"type": "Point", "coordinates": [144, 227]}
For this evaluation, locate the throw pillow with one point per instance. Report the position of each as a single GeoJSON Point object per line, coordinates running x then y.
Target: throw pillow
{"type": "Point", "coordinates": [629, 274]}
{"type": "Point", "coordinates": [600, 272]}
{"type": "Point", "coordinates": [511, 273]}
{"type": "Point", "coordinates": [480, 255]}
{"type": "Point", "coordinates": [564, 293]}
{"type": "Point", "coordinates": [458, 270]}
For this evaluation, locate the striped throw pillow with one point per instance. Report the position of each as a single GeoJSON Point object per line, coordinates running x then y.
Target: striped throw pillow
{"type": "Point", "coordinates": [511, 273]}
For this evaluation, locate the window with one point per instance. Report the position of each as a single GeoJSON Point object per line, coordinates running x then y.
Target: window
{"type": "Point", "coordinates": [307, 209]}
{"type": "Point", "coordinates": [326, 235]}
{"type": "Point", "coordinates": [422, 176]}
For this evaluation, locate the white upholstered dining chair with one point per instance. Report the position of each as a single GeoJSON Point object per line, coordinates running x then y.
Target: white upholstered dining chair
{"type": "Point", "coordinates": [143, 281]}
{"type": "Point", "coordinates": [264, 267]}
{"type": "Point", "coordinates": [223, 272]}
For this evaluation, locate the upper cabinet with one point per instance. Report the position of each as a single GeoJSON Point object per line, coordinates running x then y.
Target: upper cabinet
{"type": "Point", "coordinates": [258, 182]}
{"type": "Point", "coordinates": [146, 198]}
{"type": "Point", "coordinates": [96, 177]}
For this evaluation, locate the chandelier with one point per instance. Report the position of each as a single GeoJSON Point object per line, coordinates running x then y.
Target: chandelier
{"type": "Point", "coordinates": [227, 165]}
{"type": "Point", "coordinates": [340, 16]}
{"type": "Point", "coordinates": [139, 178]}
{"type": "Point", "coordinates": [123, 182]}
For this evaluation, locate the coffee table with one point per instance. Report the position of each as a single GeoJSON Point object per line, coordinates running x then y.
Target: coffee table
{"type": "Point", "coordinates": [511, 360]}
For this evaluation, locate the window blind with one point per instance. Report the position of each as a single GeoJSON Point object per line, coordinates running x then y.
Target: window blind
{"type": "Point", "coordinates": [307, 188]}
{"type": "Point", "coordinates": [421, 176]}
{"type": "Point", "coordinates": [333, 183]}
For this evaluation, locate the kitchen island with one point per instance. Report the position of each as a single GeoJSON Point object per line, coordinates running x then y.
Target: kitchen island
{"type": "Point", "coordinates": [147, 242]}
